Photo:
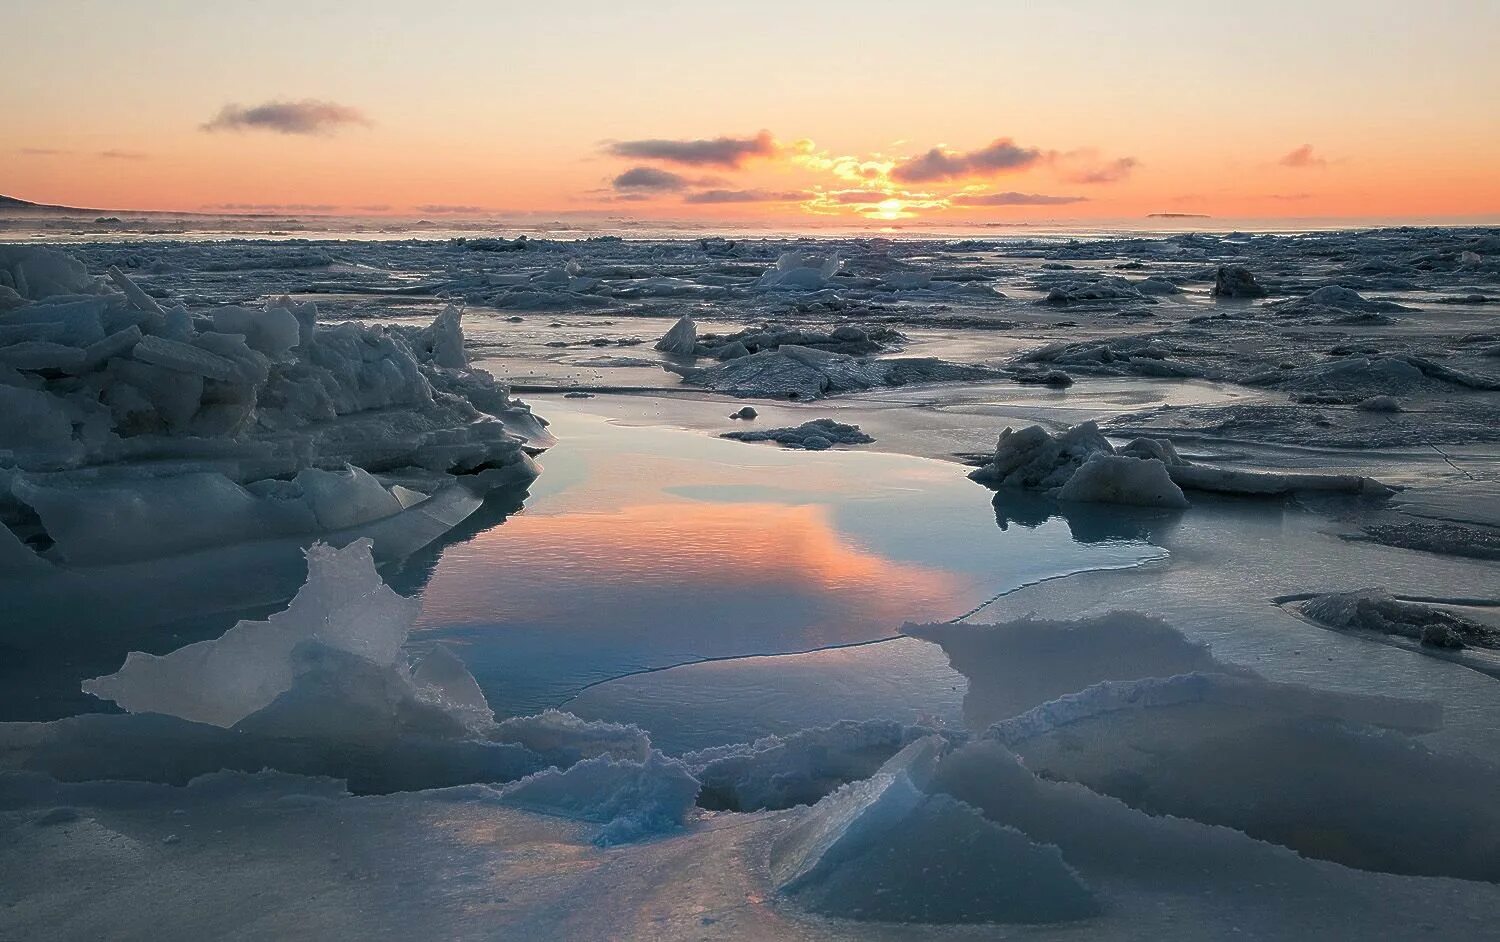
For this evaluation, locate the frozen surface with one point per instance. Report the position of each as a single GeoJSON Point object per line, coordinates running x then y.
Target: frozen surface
{"type": "Point", "coordinates": [1132, 722]}
{"type": "Point", "coordinates": [885, 850]}
{"type": "Point", "coordinates": [666, 547]}
{"type": "Point", "coordinates": [344, 607]}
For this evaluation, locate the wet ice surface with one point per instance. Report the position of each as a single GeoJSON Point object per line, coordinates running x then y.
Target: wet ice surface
{"type": "Point", "coordinates": [1102, 721]}
{"type": "Point", "coordinates": [665, 547]}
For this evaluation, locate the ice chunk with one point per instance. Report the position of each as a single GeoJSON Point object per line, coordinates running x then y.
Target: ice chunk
{"type": "Point", "coordinates": [442, 679]}
{"type": "Point", "coordinates": [42, 355]}
{"type": "Point", "coordinates": [798, 769]}
{"type": "Point", "coordinates": [1015, 666]}
{"type": "Point", "coordinates": [339, 500]}
{"type": "Point", "coordinates": [32, 421]}
{"type": "Point", "coordinates": [344, 606]}
{"type": "Point", "coordinates": [1146, 472]}
{"type": "Point", "coordinates": [817, 435]}
{"type": "Point", "coordinates": [273, 331]}
{"type": "Point", "coordinates": [1107, 289]}
{"type": "Point", "coordinates": [137, 298]}
{"type": "Point", "coordinates": [885, 850]}
{"type": "Point", "coordinates": [35, 272]}
{"type": "Point", "coordinates": [681, 339]}
{"type": "Point", "coordinates": [184, 357]}
{"type": "Point", "coordinates": [564, 739]}
{"type": "Point", "coordinates": [799, 271]}
{"type": "Point", "coordinates": [1035, 458]}
{"type": "Point", "coordinates": [102, 520]}
{"type": "Point", "coordinates": [633, 800]}
{"type": "Point", "coordinates": [1375, 610]}
{"type": "Point", "coordinates": [1118, 479]}
{"type": "Point", "coordinates": [1311, 770]}
{"type": "Point", "coordinates": [100, 523]}
{"type": "Point", "coordinates": [796, 372]}
{"type": "Point", "coordinates": [442, 341]}
{"type": "Point", "coordinates": [1379, 404]}
{"type": "Point", "coordinates": [1236, 281]}
{"type": "Point", "coordinates": [1270, 483]}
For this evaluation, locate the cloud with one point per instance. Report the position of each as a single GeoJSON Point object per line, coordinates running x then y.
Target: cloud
{"type": "Point", "coordinates": [1302, 157]}
{"type": "Point", "coordinates": [1011, 198]}
{"type": "Point", "coordinates": [272, 207]}
{"type": "Point", "coordinates": [649, 178]}
{"type": "Point", "coordinates": [1112, 172]}
{"type": "Point", "coordinates": [856, 197]}
{"type": "Point", "coordinates": [1001, 156]}
{"type": "Point", "coordinates": [729, 152]}
{"type": "Point", "coordinates": [1289, 197]}
{"type": "Point", "coordinates": [448, 208]}
{"type": "Point", "coordinates": [374, 208]}
{"type": "Point", "coordinates": [744, 196]}
{"type": "Point", "coordinates": [59, 152]}
{"type": "Point", "coordinates": [308, 116]}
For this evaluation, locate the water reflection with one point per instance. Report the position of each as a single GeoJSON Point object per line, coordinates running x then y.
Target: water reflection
{"type": "Point", "coordinates": [1088, 523]}
{"type": "Point", "coordinates": [71, 626]}
{"type": "Point", "coordinates": [648, 548]}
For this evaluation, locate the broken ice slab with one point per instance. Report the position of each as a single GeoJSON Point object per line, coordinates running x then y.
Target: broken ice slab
{"type": "Point", "coordinates": [884, 849]}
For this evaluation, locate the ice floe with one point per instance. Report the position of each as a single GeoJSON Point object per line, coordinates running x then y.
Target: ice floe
{"type": "Point", "coordinates": [817, 435]}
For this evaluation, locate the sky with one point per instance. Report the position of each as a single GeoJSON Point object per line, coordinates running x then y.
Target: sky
{"type": "Point", "coordinates": [966, 111]}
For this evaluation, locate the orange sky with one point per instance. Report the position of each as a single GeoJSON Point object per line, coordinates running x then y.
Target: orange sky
{"type": "Point", "coordinates": [949, 111]}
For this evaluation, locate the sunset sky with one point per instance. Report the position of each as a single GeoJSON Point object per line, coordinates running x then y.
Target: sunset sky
{"type": "Point", "coordinates": [943, 111]}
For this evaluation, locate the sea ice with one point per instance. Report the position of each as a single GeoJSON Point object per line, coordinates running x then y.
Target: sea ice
{"type": "Point", "coordinates": [796, 769]}
{"type": "Point", "coordinates": [884, 849]}
{"type": "Point", "coordinates": [793, 372]}
{"type": "Point", "coordinates": [632, 799]}
{"type": "Point", "coordinates": [1376, 611]}
{"type": "Point", "coordinates": [1147, 472]}
{"type": "Point", "coordinates": [799, 271]}
{"type": "Point", "coordinates": [344, 606]}
{"type": "Point", "coordinates": [1019, 665]}
{"type": "Point", "coordinates": [681, 338]}
{"type": "Point", "coordinates": [817, 435]}
{"type": "Point", "coordinates": [182, 429]}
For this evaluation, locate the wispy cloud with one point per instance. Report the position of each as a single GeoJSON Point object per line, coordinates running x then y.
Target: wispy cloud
{"type": "Point", "coordinates": [1079, 170]}
{"type": "Point", "coordinates": [649, 179]}
{"type": "Point", "coordinates": [308, 116]}
{"type": "Point", "coordinates": [728, 152]}
{"type": "Point", "coordinates": [111, 154]}
{"type": "Point", "coordinates": [271, 207]}
{"type": "Point", "coordinates": [1000, 156]}
{"type": "Point", "coordinates": [744, 196]}
{"type": "Point", "coordinates": [449, 209]}
{"type": "Point", "coordinates": [1302, 157]}
{"type": "Point", "coordinates": [856, 197]}
{"type": "Point", "coordinates": [1012, 198]}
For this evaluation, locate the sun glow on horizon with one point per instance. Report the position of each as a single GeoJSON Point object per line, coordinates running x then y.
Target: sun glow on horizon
{"type": "Point", "coordinates": [1088, 119]}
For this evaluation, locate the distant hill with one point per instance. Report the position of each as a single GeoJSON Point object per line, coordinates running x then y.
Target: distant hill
{"type": "Point", "coordinates": [12, 205]}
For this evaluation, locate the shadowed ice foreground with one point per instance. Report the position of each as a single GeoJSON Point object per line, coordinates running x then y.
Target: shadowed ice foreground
{"type": "Point", "coordinates": [1145, 769]}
